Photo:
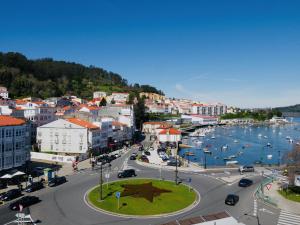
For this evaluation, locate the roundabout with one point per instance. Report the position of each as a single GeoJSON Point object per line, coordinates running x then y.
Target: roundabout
{"type": "Point", "coordinates": [144, 198]}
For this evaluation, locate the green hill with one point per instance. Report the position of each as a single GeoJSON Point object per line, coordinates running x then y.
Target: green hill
{"type": "Point", "coordinates": [293, 108]}
{"type": "Point", "coordinates": [47, 78]}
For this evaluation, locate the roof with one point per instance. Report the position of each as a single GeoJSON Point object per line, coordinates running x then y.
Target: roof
{"type": "Point", "coordinates": [20, 102]}
{"type": "Point", "coordinates": [171, 131]}
{"type": "Point", "coordinates": [90, 107]}
{"type": "Point", "coordinates": [117, 123]}
{"type": "Point", "coordinates": [82, 123]}
{"type": "Point", "coordinates": [10, 121]}
{"type": "Point", "coordinates": [155, 123]}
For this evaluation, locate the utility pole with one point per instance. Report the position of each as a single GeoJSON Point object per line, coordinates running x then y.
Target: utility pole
{"type": "Point", "coordinates": [176, 160]}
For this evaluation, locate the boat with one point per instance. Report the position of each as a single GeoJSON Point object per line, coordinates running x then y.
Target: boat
{"type": "Point", "coordinates": [206, 151]}
{"type": "Point", "coordinates": [198, 142]}
{"type": "Point", "coordinates": [269, 144]}
{"type": "Point", "coordinates": [224, 147]}
{"type": "Point", "coordinates": [298, 143]}
{"type": "Point", "coordinates": [190, 153]}
{"type": "Point", "coordinates": [266, 137]}
{"type": "Point", "coordinates": [231, 162]}
{"type": "Point", "coordinates": [232, 156]}
{"type": "Point", "coordinates": [269, 156]}
{"type": "Point", "coordinates": [259, 135]}
{"type": "Point", "coordinates": [240, 153]}
{"type": "Point", "coordinates": [287, 137]}
{"type": "Point", "coordinates": [291, 140]}
{"type": "Point", "coordinates": [213, 137]}
{"type": "Point", "coordinates": [235, 141]}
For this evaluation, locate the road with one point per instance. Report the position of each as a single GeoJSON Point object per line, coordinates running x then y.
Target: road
{"type": "Point", "coordinates": [65, 204]}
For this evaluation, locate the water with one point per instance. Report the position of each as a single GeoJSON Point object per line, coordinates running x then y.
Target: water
{"type": "Point", "coordinates": [244, 143]}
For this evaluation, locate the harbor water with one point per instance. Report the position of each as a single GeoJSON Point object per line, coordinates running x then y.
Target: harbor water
{"type": "Point", "coordinates": [243, 145]}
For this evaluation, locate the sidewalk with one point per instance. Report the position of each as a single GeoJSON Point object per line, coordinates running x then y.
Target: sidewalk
{"type": "Point", "coordinates": [282, 202]}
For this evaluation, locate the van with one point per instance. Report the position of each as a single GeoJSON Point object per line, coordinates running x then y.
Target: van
{"type": "Point", "coordinates": [246, 169]}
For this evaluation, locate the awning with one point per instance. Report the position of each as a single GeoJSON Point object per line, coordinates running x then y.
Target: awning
{"type": "Point", "coordinates": [18, 173]}
{"type": "Point", "coordinates": [6, 176]}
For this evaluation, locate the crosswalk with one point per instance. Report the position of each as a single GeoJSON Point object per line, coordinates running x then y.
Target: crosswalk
{"type": "Point", "coordinates": [288, 218]}
{"type": "Point", "coordinates": [255, 208]}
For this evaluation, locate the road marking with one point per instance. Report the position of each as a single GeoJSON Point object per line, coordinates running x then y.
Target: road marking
{"type": "Point", "coordinates": [266, 210]}
{"type": "Point", "coordinates": [288, 218]}
{"type": "Point", "coordinates": [255, 207]}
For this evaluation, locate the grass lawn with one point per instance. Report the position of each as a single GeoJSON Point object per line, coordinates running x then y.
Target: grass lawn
{"type": "Point", "coordinates": [178, 198]}
{"type": "Point", "coordinates": [290, 195]}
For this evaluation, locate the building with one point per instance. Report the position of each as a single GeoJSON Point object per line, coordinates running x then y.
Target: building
{"type": "Point", "coordinates": [119, 97]}
{"type": "Point", "coordinates": [69, 137]}
{"type": "Point", "coordinates": [3, 92]}
{"type": "Point", "coordinates": [169, 135]}
{"type": "Point", "coordinates": [152, 126]}
{"type": "Point", "coordinates": [15, 143]}
{"type": "Point", "coordinates": [217, 109]}
{"type": "Point", "coordinates": [99, 94]}
{"type": "Point", "coordinates": [152, 96]}
{"type": "Point", "coordinates": [200, 119]}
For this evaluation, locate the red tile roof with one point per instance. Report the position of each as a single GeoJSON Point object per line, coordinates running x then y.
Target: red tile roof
{"type": "Point", "coordinates": [171, 131]}
{"type": "Point", "coordinates": [116, 123]}
{"type": "Point", "coordinates": [10, 121]}
{"type": "Point", "coordinates": [82, 123]}
{"type": "Point", "coordinates": [155, 123]}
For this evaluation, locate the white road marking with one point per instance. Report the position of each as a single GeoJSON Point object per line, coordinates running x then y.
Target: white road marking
{"type": "Point", "coordinates": [255, 207]}
{"type": "Point", "coordinates": [288, 218]}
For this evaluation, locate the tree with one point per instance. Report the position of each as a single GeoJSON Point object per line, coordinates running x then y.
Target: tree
{"type": "Point", "coordinates": [139, 112]}
{"type": "Point", "coordinates": [103, 102]}
{"type": "Point", "coordinates": [112, 101]}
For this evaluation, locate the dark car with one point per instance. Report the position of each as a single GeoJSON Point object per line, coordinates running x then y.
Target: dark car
{"type": "Point", "coordinates": [127, 173]}
{"type": "Point", "coordinates": [3, 185]}
{"type": "Point", "coordinates": [144, 159]}
{"type": "Point", "coordinates": [25, 202]}
{"type": "Point", "coordinates": [57, 181]}
{"type": "Point", "coordinates": [10, 195]}
{"type": "Point", "coordinates": [173, 163]}
{"type": "Point", "coordinates": [132, 157]}
{"type": "Point", "coordinates": [147, 153]}
{"type": "Point", "coordinates": [245, 182]}
{"type": "Point", "coordinates": [231, 199]}
{"type": "Point", "coordinates": [34, 187]}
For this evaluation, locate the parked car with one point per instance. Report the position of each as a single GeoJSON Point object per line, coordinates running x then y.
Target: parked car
{"type": "Point", "coordinates": [245, 182]}
{"type": "Point", "coordinates": [232, 199]}
{"type": "Point", "coordinates": [24, 201]}
{"type": "Point", "coordinates": [246, 169]}
{"type": "Point", "coordinates": [34, 186]}
{"type": "Point", "coordinates": [57, 181]}
{"type": "Point", "coordinates": [10, 195]}
{"type": "Point", "coordinates": [117, 155]}
{"type": "Point", "coordinates": [173, 163]}
{"type": "Point", "coordinates": [144, 159]}
{"type": "Point", "coordinates": [3, 185]}
{"type": "Point", "coordinates": [132, 157]}
{"type": "Point", "coordinates": [147, 153]}
{"type": "Point", "coordinates": [127, 173]}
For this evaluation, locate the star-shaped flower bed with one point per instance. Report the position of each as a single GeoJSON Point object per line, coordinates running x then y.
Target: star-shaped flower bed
{"type": "Point", "coordinates": [146, 190]}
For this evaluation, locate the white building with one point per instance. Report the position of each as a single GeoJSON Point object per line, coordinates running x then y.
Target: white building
{"type": "Point", "coordinates": [14, 148]}
{"type": "Point", "coordinates": [99, 94]}
{"type": "Point", "coordinates": [169, 135]}
{"type": "Point", "coordinates": [69, 137]}
{"type": "Point", "coordinates": [200, 119]}
{"type": "Point", "coordinates": [119, 97]}
{"type": "Point", "coordinates": [3, 92]}
{"type": "Point", "coordinates": [217, 109]}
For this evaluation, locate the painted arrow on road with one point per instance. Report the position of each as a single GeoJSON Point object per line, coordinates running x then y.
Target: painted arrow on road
{"type": "Point", "coordinates": [266, 210]}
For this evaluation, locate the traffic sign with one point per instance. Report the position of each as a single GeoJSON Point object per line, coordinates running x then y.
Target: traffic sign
{"type": "Point", "coordinates": [269, 186]}
{"type": "Point", "coordinates": [118, 194]}
{"type": "Point", "coordinates": [107, 175]}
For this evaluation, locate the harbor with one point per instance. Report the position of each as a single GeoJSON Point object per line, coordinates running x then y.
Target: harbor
{"type": "Point", "coordinates": [241, 144]}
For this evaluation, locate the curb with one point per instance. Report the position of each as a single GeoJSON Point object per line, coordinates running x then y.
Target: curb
{"type": "Point", "coordinates": [188, 208]}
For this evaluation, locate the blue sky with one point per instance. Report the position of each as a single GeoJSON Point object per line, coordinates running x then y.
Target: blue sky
{"type": "Point", "coordinates": [242, 53]}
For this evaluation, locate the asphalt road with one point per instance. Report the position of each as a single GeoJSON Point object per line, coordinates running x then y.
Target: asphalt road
{"type": "Point", "coordinates": [65, 204]}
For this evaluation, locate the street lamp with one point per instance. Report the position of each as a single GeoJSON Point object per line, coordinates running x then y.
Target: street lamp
{"type": "Point", "coordinates": [101, 181]}
{"type": "Point", "coordinates": [258, 223]}
{"type": "Point", "coordinates": [176, 160]}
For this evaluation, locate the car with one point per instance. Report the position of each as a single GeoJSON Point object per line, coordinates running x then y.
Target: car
{"type": "Point", "coordinates": [24, 201]}
{"type": "Point", "coordinates": [246, 169]}
{"type": "Point", "coordinates": [57, 181]}
{"type": "Point", "coordinates": [132, 157]}
{"type": "Point", "coordinates": [173, 163]}
{"type": "Point", "coordinates": [3, 185]}
{"type": "Point", "coordinates": [117, 155]}
{"type": "Point", "coordinates": [127, 173]}
{"type": "Point", "coordinates": [232, 199]}
{"type": "Point", "coordinates": [144, 158]}
{"type": "Point", "coordinates": [147, 153]}
{"type": "Point", "coordinates": [10, 195]}
{"type": "Point", "coordinates": [34, 186]}
{"type": "Point", "coordinates": [245, 182]}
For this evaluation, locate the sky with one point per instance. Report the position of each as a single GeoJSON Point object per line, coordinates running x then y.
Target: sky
{"type": "Point", "coordinates": [241, 53]}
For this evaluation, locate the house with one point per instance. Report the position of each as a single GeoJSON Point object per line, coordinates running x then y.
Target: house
{"type": "Point", "coordinates": [200, 119]}
{"type": "Point", "coordinates": [119, 97]}
{"type": "Point", "coordinates": [152, 126]}
{"type": "Point", "coordinates": [15, 143]}
{"type": "Point", "coordinates": [69, 137]}
{"type": "Point", "coordinates": [217, 109]}
{"type": "Point", "coordinates": [3, 92]}
{"type": "Point", "coordinates": [152, 96]}
{"type": "Point", "coordinates": [169, 135]}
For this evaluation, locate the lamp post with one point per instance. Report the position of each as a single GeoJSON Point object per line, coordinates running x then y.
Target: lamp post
{"type": "Point", "coordinates": [176, 160]}
{"type": "Point", "coordinates": [258, 222]}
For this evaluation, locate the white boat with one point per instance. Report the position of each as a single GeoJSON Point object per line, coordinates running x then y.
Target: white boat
{"type": "Point", "coordinates": [224, 147]}
{"type": "Point", "coordinates": [266, 137]}
{"type": "Point", "coordinates": [269, 156]}
{"type": "Point", "coordinates": [235, 141]}
{"type": "Point", "coordinates": [232, 156]}
{"type": "Point", "coordinates": [291, 140]}
{"type": "Point", "coordinates": [259, 135]}
{"type": "Point", "coordinates": [213, 137]}
{"type": "Point", "coordinates": [198, 142]}
{"type": "Point", "coordinates": [298, 143]}
{"type": "Point", "coordinates": [288, 137]}
{"type": "Point", "coordinates": [231, 162]}
{"type": "Point", "coordinates": [269, 144]}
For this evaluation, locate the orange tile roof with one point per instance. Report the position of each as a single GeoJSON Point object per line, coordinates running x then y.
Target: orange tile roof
{"type": "Point", "coordinates": [18, 108]}
{"type": "Point", "coordinates": [20, 102]}
{"type": "Point", "coordinates": [82, 123]}
{"type": "Point", "coordinates": [10, 121]}
{"type": "Point", "coordinates": [155, 123]}
{"type": "Point", "coordinates": [171, 131]}
{"type": "Point", "coordinates": [116, 123]}
{"type": "Point", "coordinates": [89, 107]}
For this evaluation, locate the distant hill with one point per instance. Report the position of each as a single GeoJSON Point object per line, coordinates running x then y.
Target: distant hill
{"type": "Point", "coordinates": [48, 78]}
{"type": "Point", "coordinates": [290, 109]}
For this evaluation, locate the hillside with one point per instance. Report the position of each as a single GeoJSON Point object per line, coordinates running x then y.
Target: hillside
{"type": "Point", "coordinates": [47, 78]}
{"type": "Point", "coordinates": [293, 108]}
